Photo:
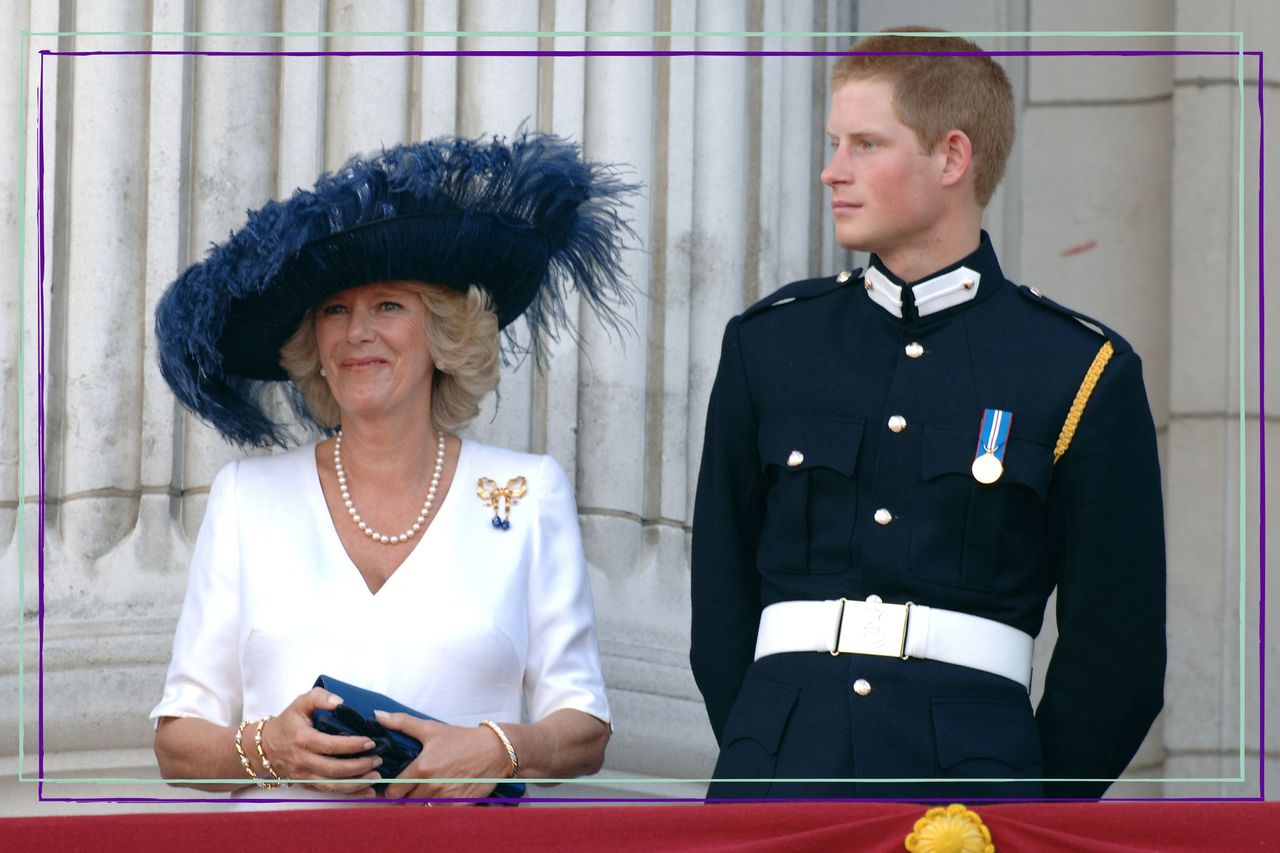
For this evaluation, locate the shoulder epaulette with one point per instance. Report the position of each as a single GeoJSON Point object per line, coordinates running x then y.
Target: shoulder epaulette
{"type": "Point", "coordinates": [1112, 345]}
{"type": "Point", "coordinates": [801, 290]}
{"type": "Point", "coordinates": [1119, 344]}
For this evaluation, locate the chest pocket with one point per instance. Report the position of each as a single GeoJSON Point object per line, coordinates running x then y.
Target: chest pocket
{"type": "Point", "coordinates": [810, 467]}
{"type": "Point", "coordinates": [976, 536]}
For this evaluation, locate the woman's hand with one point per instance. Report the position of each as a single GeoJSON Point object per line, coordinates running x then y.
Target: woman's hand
{"type": "Point", "coordinates": [297, 751]}
{"type": "Point", "coordinates": [448, 752]}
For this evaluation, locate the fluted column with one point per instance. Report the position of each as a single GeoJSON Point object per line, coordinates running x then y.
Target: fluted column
{"type": "Point", "coordinates": [233, 167]}
{"type": "Point", "coordinates": [17, 303]}
{"type": "Point", "coordinates": [437, 76]}
{"type": "Point", "coordinates": [20, 354]}
{"type": "Point", "coordinates": [367, 98]}
{"type": "Point", "coordinates": [797, 134]}
{"type": "Point", "coordinates": [300, 119]}
{"type": "Point", "coordinates": [496, 95]}
{"type": "Point", "coordinates": [10, 296]}
{"type": "Point", "coordinates": [95, 305]}
{"type": "Point", "coordinates": [554, 393]}
{"type": "Point", "coordinates": [615, 392]}
{"type": "Point", "coordinates": [719, 233]}
{"type": "Point", "coordinates": [95, 373]}
{"type": "Point", "coordinates": [149, 564]}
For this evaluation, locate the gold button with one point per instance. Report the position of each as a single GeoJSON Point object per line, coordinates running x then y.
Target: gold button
{"type": "Point", "coordinates": [1035, 292]}
{"type": "Point", "coordinates": [914, 350]}
{"type": "Point", "coordinates": [844, 276]}
{"type": "Point", "coordinates": [795, 459]}
{"type": "Point", "coordinates": [897, 423]}
{"type": "Point", "coordinates": [862, 687]}
{"type": "Point", "coordinates": [867, 284]}
{"type": "Point", "coordinates": [883, 516]}
{"type": "Point", "coordinates": [967, 284]}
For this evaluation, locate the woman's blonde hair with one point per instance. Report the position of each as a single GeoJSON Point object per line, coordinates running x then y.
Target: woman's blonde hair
{"type": "Point", "coordinates": [463, 333]}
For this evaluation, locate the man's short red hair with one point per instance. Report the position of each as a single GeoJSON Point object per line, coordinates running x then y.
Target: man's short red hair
{"type": "Point", "coordinates": [936, 94]}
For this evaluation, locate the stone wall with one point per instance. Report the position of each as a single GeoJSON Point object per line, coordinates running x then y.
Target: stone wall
{"type": "Point", "coordinates": [1121, 201]}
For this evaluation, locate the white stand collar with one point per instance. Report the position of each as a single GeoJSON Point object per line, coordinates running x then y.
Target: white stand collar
{"type": "Point", "coordinates": [931, 295]}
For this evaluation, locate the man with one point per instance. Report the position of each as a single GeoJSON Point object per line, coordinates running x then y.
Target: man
{"type": "Point", "coordinates": [901, 466]}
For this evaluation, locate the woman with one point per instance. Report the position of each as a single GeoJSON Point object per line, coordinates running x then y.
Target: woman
{"type": "Point", "coordinates": [368, 556]}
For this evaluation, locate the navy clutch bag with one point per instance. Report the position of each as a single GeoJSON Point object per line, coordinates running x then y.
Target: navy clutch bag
{"type": "Point", "coordinates": [355, 717]}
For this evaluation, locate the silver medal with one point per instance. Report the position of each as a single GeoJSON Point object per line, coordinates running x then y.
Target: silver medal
{"type": "Point", "coordinates": [987, 468]}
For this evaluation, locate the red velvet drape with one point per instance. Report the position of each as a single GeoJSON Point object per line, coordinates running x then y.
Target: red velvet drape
{"type": "Point", "coordinates": [1059, 827]}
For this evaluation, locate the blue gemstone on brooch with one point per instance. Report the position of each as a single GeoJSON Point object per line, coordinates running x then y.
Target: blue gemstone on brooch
{"type": "Point", "coordinates": [487, 490]}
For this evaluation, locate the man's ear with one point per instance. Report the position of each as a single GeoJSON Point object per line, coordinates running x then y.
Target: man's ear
{"type": "Point", "coordinates": [956, 153]}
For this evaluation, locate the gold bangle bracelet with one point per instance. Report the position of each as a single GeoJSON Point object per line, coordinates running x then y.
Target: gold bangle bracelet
{"type": "Point", "coordinates": [266, 763]}
{"type": "Point", "coordinates": [506, 743]}
{"type": "Point", "coordinates": [244, 759]}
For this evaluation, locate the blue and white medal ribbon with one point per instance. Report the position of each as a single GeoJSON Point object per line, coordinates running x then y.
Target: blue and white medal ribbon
{"type": "Point", "coordinates": [993, 438]}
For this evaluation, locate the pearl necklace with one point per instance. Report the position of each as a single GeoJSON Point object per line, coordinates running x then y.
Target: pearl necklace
{"type": "Point", "coordinates": [355, 514]}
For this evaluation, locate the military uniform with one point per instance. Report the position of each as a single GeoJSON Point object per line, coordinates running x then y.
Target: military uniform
{"type": "Point", "coordinates": [838, 463]}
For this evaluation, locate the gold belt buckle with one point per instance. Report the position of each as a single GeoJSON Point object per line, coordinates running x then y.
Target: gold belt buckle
{"type": "Point", "coordinates": [873, 628]}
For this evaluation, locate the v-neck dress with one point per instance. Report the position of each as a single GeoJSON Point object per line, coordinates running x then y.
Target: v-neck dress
{"type": "Point", "coordinates": [476, 620]}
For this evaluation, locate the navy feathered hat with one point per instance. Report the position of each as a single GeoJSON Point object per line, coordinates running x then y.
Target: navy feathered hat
{"type": "Point", "coordinates": [526, 220]}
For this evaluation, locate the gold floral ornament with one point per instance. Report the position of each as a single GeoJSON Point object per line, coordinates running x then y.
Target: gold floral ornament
{"type": "Point", "coordinates": [953, 829]}
{"type": "Point", "coordinates": [507, 497]}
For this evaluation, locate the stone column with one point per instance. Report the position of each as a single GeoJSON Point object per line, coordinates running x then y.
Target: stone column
{"type": "Point", "coordinates": [615, 451]}
{"type": "Point", "coordinates": [95, 311]}
{"type": "Point", "coordinates": [1096, 167]}
{"type": "Point", "coordinates": [497, 95]}
{"type": "Point", "coordinates": [234, 112]}
{"type": "Point", "coordinates": [19, 477]}
{"type": "Point", "coordinates": [1212, 693]}
{"type": "Point", "coordinates": [367, 98]}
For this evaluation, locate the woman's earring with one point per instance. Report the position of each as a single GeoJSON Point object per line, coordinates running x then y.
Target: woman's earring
{"type": "Point", "coordinates": [322, 373]}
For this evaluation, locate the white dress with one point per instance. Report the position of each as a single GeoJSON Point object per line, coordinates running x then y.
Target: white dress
{"type": "Point", "coordinates": [476, 620]}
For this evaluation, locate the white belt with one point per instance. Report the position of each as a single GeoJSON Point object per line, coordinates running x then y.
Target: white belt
{"type": "Point", "coordinates": [895, 630]}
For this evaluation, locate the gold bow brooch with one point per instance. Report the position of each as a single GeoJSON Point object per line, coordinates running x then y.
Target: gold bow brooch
{"type": "Point", "coordinates": [508, 495]}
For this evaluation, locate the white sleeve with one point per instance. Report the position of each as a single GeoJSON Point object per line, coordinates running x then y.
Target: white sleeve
{"type": "Point", "coordinates": [204, 675]}
{"type": "Point", "coordinates": [563, 665]}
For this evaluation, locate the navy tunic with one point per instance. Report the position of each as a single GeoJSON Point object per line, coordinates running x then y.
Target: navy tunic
{"type": "Point", "coordinates": [820, 368]}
